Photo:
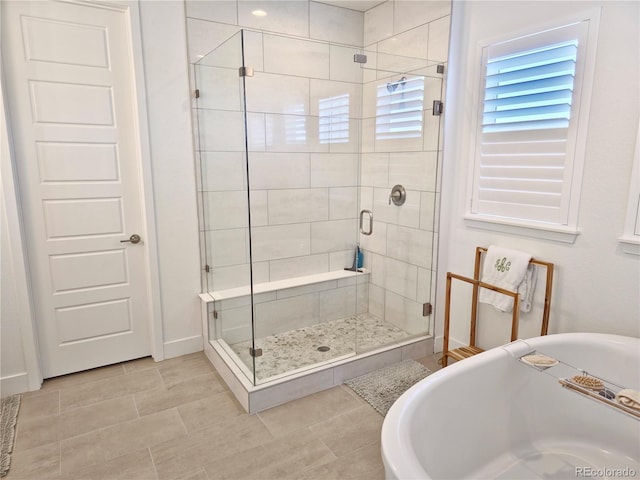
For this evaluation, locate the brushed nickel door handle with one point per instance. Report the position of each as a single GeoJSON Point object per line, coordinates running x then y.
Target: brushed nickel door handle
{"type": "Point", "coordinates": [135, 238]}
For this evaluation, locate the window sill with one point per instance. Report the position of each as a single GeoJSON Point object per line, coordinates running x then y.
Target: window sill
{"type": "Point", "coordinates": [557, 234]}
{"type": "Point", "coordinates": [630, 244]}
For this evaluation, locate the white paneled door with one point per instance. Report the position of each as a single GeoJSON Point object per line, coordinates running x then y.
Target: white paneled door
{"type": "Point", "coordinates": [73, 109]}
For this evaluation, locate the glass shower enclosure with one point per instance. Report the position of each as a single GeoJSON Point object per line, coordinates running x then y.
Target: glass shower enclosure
{"type": "Point", "coordinates": [317, 183]}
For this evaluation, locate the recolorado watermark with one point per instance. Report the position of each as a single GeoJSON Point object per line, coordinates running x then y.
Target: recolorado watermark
{"type": "Point", "coordinates": [606, 472]}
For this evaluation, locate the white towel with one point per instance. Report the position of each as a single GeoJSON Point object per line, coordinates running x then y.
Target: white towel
{"type": "Point", "coordinates": [504, 268]}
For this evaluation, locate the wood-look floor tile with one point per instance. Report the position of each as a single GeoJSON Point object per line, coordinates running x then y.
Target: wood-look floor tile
{"type": "Point", "coordinates": [178, 369]}
{"type": "Point", "coordinates": [94, 392]}
{"type": "Point", "coordinates": [36, 463]}
{"type": "Point", "coordinates": [37, 431]}
{"type": "Point", "coordinates": [143, 363]}
{"type": "Point", "coordinates": [131, 466]}
{"type": "Point", "coordinates": [36, 406]}
{"type": "Point", "coordinates": [212, 409]}
{"type": "Point", "coordinates": [163, 398]}
{"type": "Point", "coordinates": [362, 464]}
{"type": "Point", "coordinates": [83, 378]}
{"type": "Point", "coordinates": [215, 441]}
{"type": "Point", "coordinates": [101, 445]}
{"type": "Point", "coordinates": [283, 457]}
{"type": "Point", "coordinates": [199, 474]}
{"type": "Point", "coordinates": [98, 415]}
{"type": "Point", "coordinates": [350, 431]}
{"type": "Point", "coordinates": [308, 410]}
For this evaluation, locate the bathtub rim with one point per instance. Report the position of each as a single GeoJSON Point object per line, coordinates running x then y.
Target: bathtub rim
{"type": "Point", "coordinates": [398, 454]}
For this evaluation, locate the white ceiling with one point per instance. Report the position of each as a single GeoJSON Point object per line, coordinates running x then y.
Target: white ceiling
{"type": "Point", "coordinates": [360, 5]}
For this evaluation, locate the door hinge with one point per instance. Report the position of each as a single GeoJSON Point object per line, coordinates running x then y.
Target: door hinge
{"type": "Point", "coordinates": [438, 108]}
{"type": "Point", "coordinates": [246, 71]}
{"type": "Point", "coordinates": [255, 352]}
{"type": "Point", "coordinates": [197, 93]}
{"type": "Point", "coordinates": [215, 314]}
{"type": "Point", "coordinates": [207, 268]}
{"type": "Point", "coordinates": [359, 58]}
{"type": "Point", "coordinates": [427, 309]}
{"type": "Point", "coordinates": [440, 68]}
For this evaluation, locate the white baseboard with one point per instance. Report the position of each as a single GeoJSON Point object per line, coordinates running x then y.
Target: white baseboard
{"type": "Point", "coordinates": [183, 346]}
{"type": "Point", "coordinates": [13, 384]}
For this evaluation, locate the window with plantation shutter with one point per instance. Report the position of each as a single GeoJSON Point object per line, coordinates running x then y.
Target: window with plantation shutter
{"type": "Point", "coordinates": [528, 156]}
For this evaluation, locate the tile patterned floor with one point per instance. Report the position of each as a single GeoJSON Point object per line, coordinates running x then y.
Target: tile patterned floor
{"type": "Point", "coordinates": [295, 349]}
{"type": "Point", "coordinates": [177, 420]}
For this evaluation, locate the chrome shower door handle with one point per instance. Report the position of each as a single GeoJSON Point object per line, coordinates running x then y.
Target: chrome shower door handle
{"type": "Point", "coordinates": [362, 230]}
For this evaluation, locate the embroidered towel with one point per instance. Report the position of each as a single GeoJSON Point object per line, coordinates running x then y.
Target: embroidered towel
{"type": "Point", "coordinates": [503, 268]}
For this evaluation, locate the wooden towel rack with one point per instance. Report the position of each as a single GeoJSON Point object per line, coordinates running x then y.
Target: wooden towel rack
{"type": "Point", "coordinates": [472, 349]}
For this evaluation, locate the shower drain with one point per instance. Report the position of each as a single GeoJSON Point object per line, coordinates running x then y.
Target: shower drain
{"type": "Point", "coordinates": [323, 348]}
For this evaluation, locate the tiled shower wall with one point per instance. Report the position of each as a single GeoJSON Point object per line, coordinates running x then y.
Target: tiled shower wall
{"type": "Point", "coordinates": [304, 191]}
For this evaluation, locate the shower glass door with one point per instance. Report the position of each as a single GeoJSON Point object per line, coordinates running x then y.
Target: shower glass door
{"type": "Point", "coordinates": [400, 150]}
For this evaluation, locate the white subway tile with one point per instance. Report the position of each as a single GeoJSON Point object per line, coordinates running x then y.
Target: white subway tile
{"type": "Point", "coordinates": [253, 56]}
{"type": "Point", "coordinates": [366, 199]}
{"type": "Point", "coordinates": [286, 17]}
{"type": "Point", "coordinates": [280, 241]}
{"type": "Point", "coordinates": [424, 285]}
{"type": "Point", "coordinates": [306, 289]}
{"type": "Point", "coordinates": [270, 93]}
{"type": "Point", "coordinates": [227, 247]}
{"type": "Point", "coordinates": [343, 203]}
{"type": "Point", "coordinates": [337, 303]}
{"type": "Point", "coordinates": [222, 170]}
{"type": "Point", "coordinates": [392, 67]}
{"type": "Point", "coordinates": [221, 131]}
{"type": "Point", "coordinates": [370, 98]}
{"type": "Point", "coordinates": [378, 23]}
{"type": "Point", "coordinates": [399, 277]}
{"type": "Point", "coordinates": [286, 314]}
{"type": "Point", "coordinates": [235, 324]}
{"type": "Point", "coordinates": [256, 134]}
{"type": "Point", "coordinates": [298, 266]}
{"type": "Point", "coordinates": [375, 170]}
{"type": "Point", "coordinates": [225, 210]}
{"type": "Point", "coordinates": [337, 143]}
{"type": "Point", "coordinates": [323, 92]}
{"type": "Point", "coordinates": [341, 64]}
{"type": "Point", "coordinates": [333, 235]}
{"type": "Point", "coordinates": [410, 245]}
{"type": "Point", "coordinates": [259, 211]}
{"type": "Point", "coordinates": [377, 241]}
{"type": "Point", "coordinates": [406, 314]}
{"type": "Point", "coordinates": [427, 210]}
{"type": "Point", "coordinates": [278, 170]}
{"type": "Point", "coordinates": [368, 135]}
{"type": "Point", "coordinates": [376, 301]}
{"type": "Point", "coordinates": [230, 277]}
{"type": "Point", "coordinates": [415, 171]}
{"type": "Point", "coordinates": [362, 298]}
{"type": "Point", "coordinates": [292, 56]}
{"type": "Point", "coordinates": [335, 24]}
{"type": "Point", "coordinates": [298, 205]}
{"type": "Point", "coordinates": [411, 13]}
{"type": "Point", "coordinates": [293, 133]}
{"type": "Point", "coordinates": [340, 260]}
{"type": "Point", "coordinates": [223, 11]}
{"type": "Point", "coordinates": [334, 170]}
{"type": "Point", "coordinates": [204, 37]}
{"type": "Point", "coordinates": [219, 88]}
{"type": "Point", "coordinates": [410, 43]}
{"type": "Point", "coordinates": [439, 39]}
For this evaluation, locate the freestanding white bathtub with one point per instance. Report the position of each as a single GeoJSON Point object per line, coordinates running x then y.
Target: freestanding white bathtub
{"type": "Point", "coordinates": [493, 416]}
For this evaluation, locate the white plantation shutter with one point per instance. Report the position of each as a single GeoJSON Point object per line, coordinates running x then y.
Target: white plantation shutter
{"type": "Point", "coordinates": [528, 120]}
{"type": "Point", "coordinates": [399, 107]}
{"type": "Point", "coordinates": [334, 119]}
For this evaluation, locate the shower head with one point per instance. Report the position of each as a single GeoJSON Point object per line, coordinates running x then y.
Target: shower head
{"type": "Point", "coordinates": [392, 86]}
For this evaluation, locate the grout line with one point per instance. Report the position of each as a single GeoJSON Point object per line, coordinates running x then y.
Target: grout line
{"type": "Point", "coordinates": [153, 462]}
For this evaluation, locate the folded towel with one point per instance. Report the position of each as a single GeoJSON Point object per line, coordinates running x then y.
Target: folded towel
{"type": "Point", "coordinates": [504, 268]}
{"type": "Point", "coordinates": [629, 398]}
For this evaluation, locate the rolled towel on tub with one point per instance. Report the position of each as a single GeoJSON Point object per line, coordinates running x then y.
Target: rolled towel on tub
{"type": "Point", "coordinates": [506, 268]}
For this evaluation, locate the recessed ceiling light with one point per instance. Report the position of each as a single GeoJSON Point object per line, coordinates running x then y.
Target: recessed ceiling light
{"type": "Point", "coordinates": [259, 13]}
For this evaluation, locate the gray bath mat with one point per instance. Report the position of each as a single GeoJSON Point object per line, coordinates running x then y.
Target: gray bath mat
{"type": "Point", "coordinates": [8, 416]}
{"type": "Point", "coordinates": [382, 387]}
